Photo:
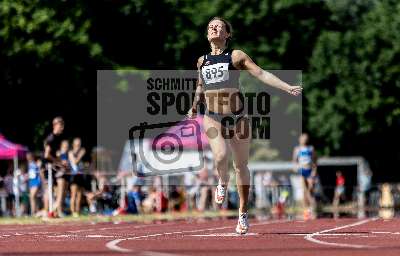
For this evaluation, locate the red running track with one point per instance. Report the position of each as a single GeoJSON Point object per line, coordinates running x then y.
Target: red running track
{"type": "Point", "coordinates": [206, 237]}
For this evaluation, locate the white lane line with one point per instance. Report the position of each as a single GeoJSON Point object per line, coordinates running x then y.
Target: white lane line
{"type": "Point", "coordinates": [62, 233]}
{"type": "Point", "coordinates": [385, 232]}
{"type": "Point", "coordinates": [58, 236]}
{"type": "Point", "coordinates": [150, 253]}
{"type": "Point", "coordinates": [333, 234]}
{"type": "Point", "coordinates": [226, 234]}
{"type": "Point", "coordinates": [112, 228]}
{"type": "Point", "coordinates": [310, 237]}
{"type": "Point", "coordinates": [99, 236]}
{"type": "Point", "coordinates": [113, 245]}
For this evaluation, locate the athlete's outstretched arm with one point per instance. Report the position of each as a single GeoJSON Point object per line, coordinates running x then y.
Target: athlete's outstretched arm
{"type": "Point", "coordinates": [244, 62]}
{"type": "Point", "coordinates": [199, 94]}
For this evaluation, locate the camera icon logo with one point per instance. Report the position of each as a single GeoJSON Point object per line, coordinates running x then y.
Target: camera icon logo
{"type": "Point", "coordinates": [167, 152]}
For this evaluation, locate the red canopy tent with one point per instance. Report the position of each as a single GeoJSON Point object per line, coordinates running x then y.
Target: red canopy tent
{"type": "Point", "coordinates": [12, 151]}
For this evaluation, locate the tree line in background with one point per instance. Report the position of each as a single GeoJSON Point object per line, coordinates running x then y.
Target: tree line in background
{"type": "Point", "coordinates": [349, 52]}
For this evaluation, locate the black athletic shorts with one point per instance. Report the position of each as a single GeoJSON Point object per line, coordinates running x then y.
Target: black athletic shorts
{"type": "Point", "coordinates": [77, 179]}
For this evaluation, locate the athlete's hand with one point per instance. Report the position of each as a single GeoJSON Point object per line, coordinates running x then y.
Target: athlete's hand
{"type": "Point", "coordinates": [192, 113]}
{"type": "Point", "coordinates": [295, 90]}
{"type": "Point", "coordinates": [296, 168]}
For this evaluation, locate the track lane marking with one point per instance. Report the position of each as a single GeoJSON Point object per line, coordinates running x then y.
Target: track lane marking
{"type": "Point", "coordinates": [150, 253]}
{"type": "Point", "coordinates": [333, 234]}
{"type": "Point", "coordinates": [113, 245]}
{"type": "Point", "coordinates": [226, 235]}
{"type": "Point", "coordinates": [310, 237]}
{"type": "Point", "coordinates": [120, 227]}
{"type": "Point", "coordinates": [385, 232]}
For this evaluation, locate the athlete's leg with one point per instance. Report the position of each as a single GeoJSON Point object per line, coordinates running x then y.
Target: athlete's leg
{"type": "Point", "coordinates": [74, 188]}
{"type": "Point", "coordinates": [336, 198]}
{"type": "Point", "coordinates": [335, 203]}
{"type": "Point", "coordinates": [78, 199]}
{"type": "Point", "coordinates": [45, 198]}
{"type": "Point", "coordinates": [60, 196]}
{"type": "Point", "coordinates": [91, 201]}
{"type": "Point", "coordinates": [219, 148]}
{"type": "Point", "coordinates": [32, 197]}
{"type": "Point", "coordinates": [306, 190]}
{"type": "Point", "coordinates": [240, 145]}
{"type": "Point", "coordinates": [203, 198]}
{"type": "Point", "coordinates": [311, 199]}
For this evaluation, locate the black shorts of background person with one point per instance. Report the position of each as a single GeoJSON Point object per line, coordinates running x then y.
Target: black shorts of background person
{"type": "Point", "coordinates": [77, 179]}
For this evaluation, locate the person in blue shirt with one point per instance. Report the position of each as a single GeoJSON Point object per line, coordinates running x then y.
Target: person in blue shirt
{"type": "Point", "coordinates": [75, 156]}
{"type": "Point", "coordinates": [135, 198]}
{"type": "Point", "coordinates": [34, 181]}
{"type": "Point", "coordinates": [305, 159]}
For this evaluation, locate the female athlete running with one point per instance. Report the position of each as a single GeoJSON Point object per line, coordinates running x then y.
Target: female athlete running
{"type": "Point", "coordinates": [217, 82]}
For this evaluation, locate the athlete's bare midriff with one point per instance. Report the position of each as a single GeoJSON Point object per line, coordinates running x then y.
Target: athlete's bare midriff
{"type": "Point", "coordinates": [223, 101]}
{"type": "Point", "coordinates": [305, 166]}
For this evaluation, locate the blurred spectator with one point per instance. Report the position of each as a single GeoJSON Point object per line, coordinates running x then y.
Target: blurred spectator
{"type": "Point", "coordinates": [386, 202]}
{"type": "Point", "coordinates": [99, 196]}
{"type": "Point", "coordinates": [3, 198]}
{"type": "Point", "coordinates": [8, 186]}
{"type": "Point", "coordinates": [339, 189]}
{"type": "Point", "coordinates": [319, 194]}
{"type": "Point", "coordinates": [259, 190]}
{"type": "Point", "coordinates": [191, 189]}
{"type": "Point", "coordinates": [61, 176]}
{"type": "Point", "coordinates": [150, 202]}
{"type": "Point", "coordinates": [51, 145]}
{"type": "Point", "coordinates": [34, 181]}
{"type": "Point", "coordinates": [214, 179]}
{"type": "Point", "coordinates": [44, 175]}
{"type": "Point", "coordinates": [130, 174]}
{"type": "Point", "coordinates": [233, 196]}
{"type": "Point", "coordinates": [284, 194]}
{"type": "Point", "coordinates": [161, 199]}
{"type": "Point", "coordinates": [176, 198]}
{"type": "Point", "coordinates": [75, 156]}
{"type": "Point", "coordinates": [135, 199]}
{"type": "Point", "coordinates": [285, 189]}
{"type": "Point", "coordinates": [268, 181]}
{"type": "Point", "coordinates": [22, 185]}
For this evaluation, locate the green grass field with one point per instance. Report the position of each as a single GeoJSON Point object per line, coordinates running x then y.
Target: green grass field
{"type": "Point", "coordinates": [292, 211]}
{"type": "Point", "coordinates": [121, 218]}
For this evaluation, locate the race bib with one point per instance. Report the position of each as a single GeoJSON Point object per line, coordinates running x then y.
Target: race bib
{"type": "Point", "coordinates": [215, 73]}
{"type": "Point", "coordinates": [32, 173]}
